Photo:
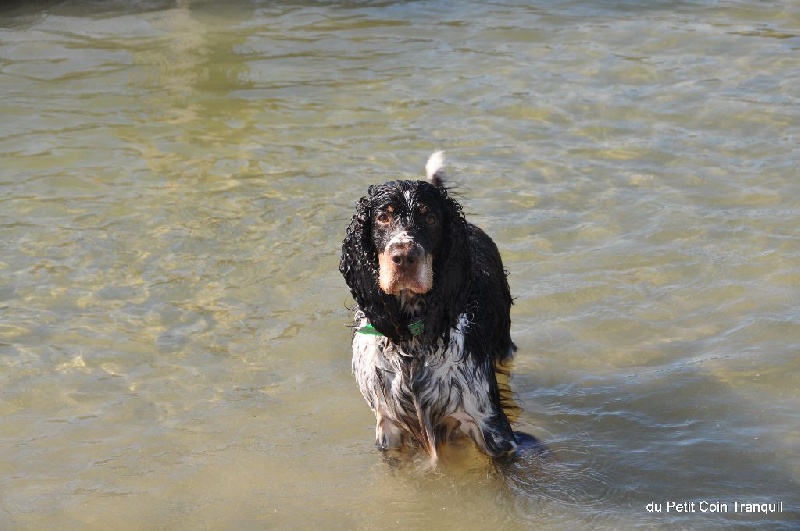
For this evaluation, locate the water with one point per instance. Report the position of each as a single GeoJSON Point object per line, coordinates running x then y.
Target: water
{"type": "Point", "coordinates": [176, 179]}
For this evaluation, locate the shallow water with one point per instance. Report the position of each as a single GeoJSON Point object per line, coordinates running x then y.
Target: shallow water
{"type": "Point", "coordinates": [176, 179]}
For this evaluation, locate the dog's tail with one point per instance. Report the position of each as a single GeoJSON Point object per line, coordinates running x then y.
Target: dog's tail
{"type": "Point", "coordinates": [434, 169]}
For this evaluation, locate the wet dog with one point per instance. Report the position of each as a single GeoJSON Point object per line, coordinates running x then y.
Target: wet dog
{"type": "Point", "coordinates": [432, 322]}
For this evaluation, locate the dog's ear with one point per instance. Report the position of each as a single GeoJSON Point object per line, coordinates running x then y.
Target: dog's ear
{"type": "Point", "coordinates": [359, 262]}
{"type": "Point", "coordinates": [452, 268]}
{"type": "Point", "coordinates": [359, 266]}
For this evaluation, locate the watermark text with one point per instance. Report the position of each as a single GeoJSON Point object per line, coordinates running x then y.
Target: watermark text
{"type": "Point", "coordinates": [714, 506]}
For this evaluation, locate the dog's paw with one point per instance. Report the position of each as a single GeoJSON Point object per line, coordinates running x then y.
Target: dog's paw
{"type": "Point", "coordinates": [530, 446]}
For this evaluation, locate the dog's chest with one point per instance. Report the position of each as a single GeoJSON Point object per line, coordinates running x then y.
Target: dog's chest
{"type": "Point", "coordinates": [413, 380]}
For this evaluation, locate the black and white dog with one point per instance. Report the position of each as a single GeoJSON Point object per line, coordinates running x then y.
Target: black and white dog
{"type": "Point", "coordinates": [432, 318]}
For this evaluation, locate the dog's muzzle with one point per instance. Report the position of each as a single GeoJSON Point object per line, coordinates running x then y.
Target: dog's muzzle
{"type": "Point", "coordinates": [404, 265]}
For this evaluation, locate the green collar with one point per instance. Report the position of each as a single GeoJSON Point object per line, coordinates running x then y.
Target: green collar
{"type": "Point", "coordinates": [415, 328]}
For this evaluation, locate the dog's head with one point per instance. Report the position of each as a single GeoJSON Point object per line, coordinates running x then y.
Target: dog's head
{"type": "Point", "coordinates": [407, 222]}
{"type": "Point", "coordinates": [407, 238]}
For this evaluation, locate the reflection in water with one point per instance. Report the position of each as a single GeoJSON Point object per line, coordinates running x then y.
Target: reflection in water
{"type": "Point", "coordinates": [177, 178]}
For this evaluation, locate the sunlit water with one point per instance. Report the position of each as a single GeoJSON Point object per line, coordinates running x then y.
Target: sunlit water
{"type": "Point", "coordinates": [175, 180]}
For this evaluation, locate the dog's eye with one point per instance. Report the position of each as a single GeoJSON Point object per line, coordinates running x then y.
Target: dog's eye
{"type": "Point", "coordinates": [385, 215]}
{"type": "Point", "coordinates": [429, 217]}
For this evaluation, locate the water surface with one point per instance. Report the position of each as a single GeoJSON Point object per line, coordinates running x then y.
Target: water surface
{"type": "Point", "coordinates": [176, 179]}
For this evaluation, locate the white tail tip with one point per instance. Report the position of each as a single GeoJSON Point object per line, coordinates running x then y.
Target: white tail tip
{"type": "Point", "coordinates": [434, 168]}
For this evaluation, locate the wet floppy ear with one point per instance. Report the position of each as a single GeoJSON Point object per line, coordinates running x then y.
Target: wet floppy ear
{"type": "Point", "coordinates": [359, 259]}
{"type": "Point", "coordinates": [359, 266]}
{"type": "Point", "coordinates": [458, 258]}
{"type": "Point", "coordinates": [452, 268]}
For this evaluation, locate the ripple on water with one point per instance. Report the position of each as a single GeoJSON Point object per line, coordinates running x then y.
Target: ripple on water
{"type": "Point", "coordinates": [176, 180]}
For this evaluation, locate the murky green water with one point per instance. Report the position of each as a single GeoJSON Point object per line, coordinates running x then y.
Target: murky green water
{"type": "Point", "coordinates": [175, 179]}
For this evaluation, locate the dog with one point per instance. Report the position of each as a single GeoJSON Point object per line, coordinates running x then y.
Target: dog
{"type": "Point", "coordinates": [432, 319]}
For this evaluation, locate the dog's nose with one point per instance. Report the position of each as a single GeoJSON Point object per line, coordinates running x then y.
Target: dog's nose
{"type": "Point", "coordinates": [404, 255]}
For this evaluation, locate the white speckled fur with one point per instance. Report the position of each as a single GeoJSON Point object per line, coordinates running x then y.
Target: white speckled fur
{"type": "Point", "coordinates": [449, 393]}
